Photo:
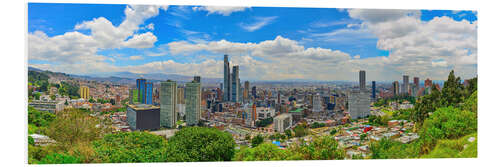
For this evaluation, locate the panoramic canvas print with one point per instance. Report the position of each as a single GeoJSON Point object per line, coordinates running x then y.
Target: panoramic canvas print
{"type": "Point", "coordinates": [111, 83]}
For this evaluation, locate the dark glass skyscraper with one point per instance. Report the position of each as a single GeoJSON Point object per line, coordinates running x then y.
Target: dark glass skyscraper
{"type": "Point", "coordinates": [148, 93]}
{"type": "Point", "coordinates": [235, 85]}
{"type": "Point", "coordinates": [373, 89]}
{"type": "Point", "coordinates": [362, 80]}
{"type": "Point", "coordinates": [406, 85]}
{"type": "Point", "coordinates": [227, 79]}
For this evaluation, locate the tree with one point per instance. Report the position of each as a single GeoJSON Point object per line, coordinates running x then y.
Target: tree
{"type": "Point", "coordinates": [288, 133]}
{"type": "Point", "coordinates": [333, 131]}
{"type": "Point", "coordinates": [321, 148]}
{"type": "Point", "coordinates": [257, 140]}
{"type": "Point", "coordinates": [200, 144]}
{"type": "Point", "coordinates": [265, 152]}
{"type": "Point", "coordinates": [91, 100]}
{"type": "Point", "coordinates": [452, 92]}
{"type": "Point", "coordinates": [39, 118]}
{"type": "Point", "coordinates": [72, 126]}
{"type": "Point", "coordinates": [299, 130]}
{"type": "Point", "coordinates": [131, 147]}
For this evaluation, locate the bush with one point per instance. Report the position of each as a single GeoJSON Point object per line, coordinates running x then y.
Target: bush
{"type": "Point", "coordinates": [57, 158]}
{"type": "Point", "coordinates": [257, 140]}
{"type": "Point", "coordinates": [265, 152]}
{"type": "Point", "coordinates": [321, 148]}
{"type": "Point", "coordinates": [131, 147]}
{"type": "Point", "coordinates": [200, 144]}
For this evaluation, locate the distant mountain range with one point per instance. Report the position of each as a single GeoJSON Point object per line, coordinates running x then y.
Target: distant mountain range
{"type": "Point", "coordinates": [129, 78]}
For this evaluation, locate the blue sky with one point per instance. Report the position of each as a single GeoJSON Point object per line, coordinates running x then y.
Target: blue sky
{"type": "Point", "coordinates": [192, 39]}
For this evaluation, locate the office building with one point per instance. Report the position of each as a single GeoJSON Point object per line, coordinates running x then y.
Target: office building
{"type": "Point", "coordinates": [49, 106]}
{"type": "Point", "coordinates": [282, 122]}
{"type": "Point", "coordinates": [193, 103]}
{"type": "Point", "coordinates": [317, 107]}
{"type": "Point", "coordinates": [168, 102]}
{"type": "Point", "coordinates": [84, 92]}
{"type": "Point", "coordinates": [406, 85]}
{"type": "Point", "coordinates": [359, 104]}
{"type": "Point", "coordinates": [227, 79]}
{"type": "Point", "coordinates": [143, 117]}
{"type": "Point", "coordinates": [148, 93]}
{"type": "Point", "coordinates": [416, 82]}
{"type": "Point", "coordinates": [373, 90]}
{"type": "Point", "coordinates": [235, 84]}
{"type": "Point", "coordinates": [362, 80]}
{"type": "Point", "coordinates": [141, 88]}
{"type": "Point", "coordinates": [180, 95]}
{"type": "Point", "coordinates": [246, 91]}
{"type": "Point", "coordinates": [395, 88]}
{"type": "Point", "coordinates": [254, 91]}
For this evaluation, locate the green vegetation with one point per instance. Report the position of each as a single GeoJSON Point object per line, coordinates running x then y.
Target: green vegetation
{"type": "Point", "coordinates": [131, 147]}
{"type": "Point", "coordinates": [446, 120]}
{"type": "Point", "coordinates": [300, 130]}
{"type": "Point", "coordinates": [264, 122]}
{"type": "Point", "coordinates": [59, 159]}
{"type": "Point", "coordinates": [200, 144]}
{"type": "Point", "coordinates": [318, 125]}
{"type": "Point", "coordinates": [257, 140]}
{"type": "Point", "coordinates": [264, 152]}
{"type": "Point", "coordinates": [378, 120]}
{"type": "Point", "coordinates": [70, 90]}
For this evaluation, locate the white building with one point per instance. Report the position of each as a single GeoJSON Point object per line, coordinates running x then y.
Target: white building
{"type": "Point", "coordinates": [282, 122]}
{"type": "Point", "coordinates": [359, 104]}
{"type": "Point", "coordinates": [317, 107]}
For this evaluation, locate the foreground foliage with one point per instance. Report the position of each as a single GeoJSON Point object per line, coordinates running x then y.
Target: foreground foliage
{"type": "Point", "coordinates": [200, 144]}
{"type": "Point", "coordinates": [131, 147]}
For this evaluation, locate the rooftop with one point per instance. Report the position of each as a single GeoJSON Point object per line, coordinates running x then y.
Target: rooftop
{"type": "Point", "coordinates": [143, 106]}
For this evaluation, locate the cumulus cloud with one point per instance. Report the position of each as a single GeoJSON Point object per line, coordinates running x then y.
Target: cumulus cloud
{"type": "Point", "coordinates": [78, 48]}
{"type": "Point", "coordinates": [416, 45]}
{"type": "Point", "coordinates": [136, 57]}
{"type": "Point", "coordinates": [222, 10]}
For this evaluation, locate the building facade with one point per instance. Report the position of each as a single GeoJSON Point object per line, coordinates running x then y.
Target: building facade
{"type": "Point", "coordinates": [84, 92]}
{"type": "Point", "coordinates": [359, 104]}
{"type": "Point", "coordinates": [283, 122]}
{"type": "Point", "coordinates": [235, 85]}
{"type": "Point", "coordinates": [193, 103]}
{"type": "Point", "coordinates": [362, 79]}
{"type": "Point", "coordinates": [227, 79]}
{"type": "Point", "coordinates": [143, 117]}
{"type": "Point", "coordinates": [406, 85]}
{"type": "Point", "coordinates": [168, 101]}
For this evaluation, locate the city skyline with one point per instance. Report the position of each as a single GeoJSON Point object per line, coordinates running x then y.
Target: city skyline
{"type": "Point", "coordinates": [267, 45]}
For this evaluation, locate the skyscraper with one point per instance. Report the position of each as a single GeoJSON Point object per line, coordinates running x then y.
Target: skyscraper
{"type": "Point", "coordinates": [416, 82]}
{"type": "Point", "coordinates": [316, 103]}
{"type": "Point", "coordinates": [362, 79]}
{"type": "Point", "coordinates": [373, 90]}
{"type": "Point", "coordinates": [168, 104]}
{"type": "Point", "coordinates": [140, 85]}
{"type": "Point", "coordinates": [227, 79]}
{"type": "Point", "coordinates": [148, 93]}
{"type": "Point", "coordinates": [395, 88]}
{"type": "Point", "coordinates": [254, 91]}
{"type": "Point", "coordinates": [406, 85]}
{"type": "Point", "coordinates": [193, 103]}
{"type": "Point", "coordinates": [235, 84]}
{"type": "Point", "coordinates": [246, 90]}
{"type": "Point", "coordinates": [180, 95]}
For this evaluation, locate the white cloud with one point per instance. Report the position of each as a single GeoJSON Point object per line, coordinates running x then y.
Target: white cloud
{"type": "Point", "coordinates": [416, 46]}
{"type": "Point", "coordinates": [136, 57]}
{"type": "Point", "coordinates": [150, 26]}
{"type": "Point", "coordinates": [222, 10]}
{"type": "Point", "coordinates": [259, 23]}
{"type": "Point", "coordinates": [77, 48]}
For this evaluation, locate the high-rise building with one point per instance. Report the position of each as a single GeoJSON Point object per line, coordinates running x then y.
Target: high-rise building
{"type": "Point", "coordinates": [180, 95]}
{"type": "Point", "coordinates": [84, 92]}
{"type": "Point", "coordinates": [359, 104]}
{"type": "Point", "coordinates": [193, 103]}
{"type": "Point", "coordinates": [227, 79]}
{"type": "Point", "coordinates": [235, 84]}
{"type": "Point", "coordinates": [282, 122]}
{"type": "Point", "coordinates": [197, 79]}
{"type": "Point", "coordinates": [148, 93]}
{"type": "Point", "coordinates": [140, 85]}
{"type": "Point", "coordinates": [362, 80]}
{"type": "Point", "coordinates": [131, 96]}
{"type": "Point", "coordinates": [373, 90]}
{"type": "Point", "coordinates": [406, 85]}
{"type": "Point", "coordinates": [246, 90]}
{"type": "Point", "coordinates": [168, 98]}
{"type": "Point", "coordinates": [428, 83]}
{"type": "Point", "coordinates": [395, 88]}
{"type": "Point", "coordinates": [416, 82]}
{"type": "Point", "coordinates": [254, 91]}
{"type": "Point", "coordinates": [317, 107]}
